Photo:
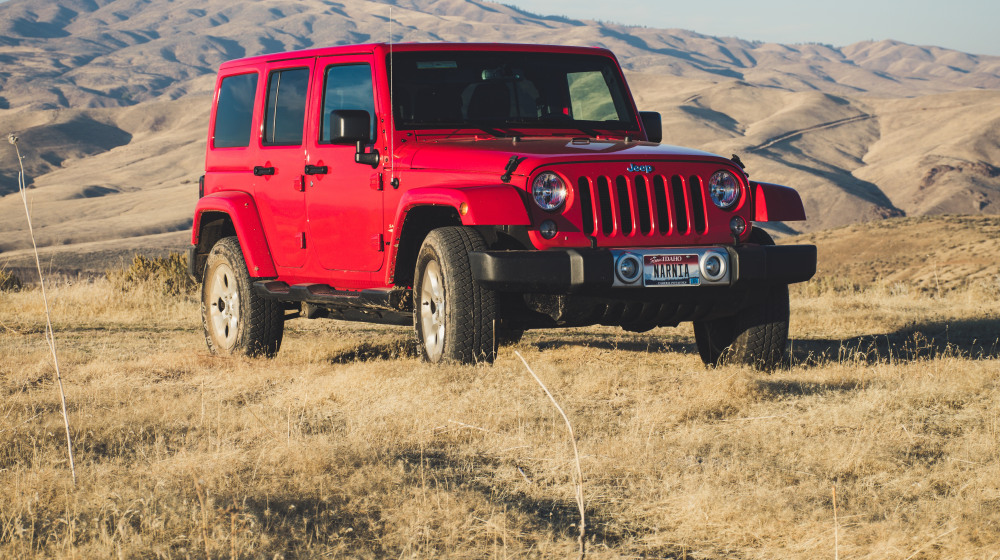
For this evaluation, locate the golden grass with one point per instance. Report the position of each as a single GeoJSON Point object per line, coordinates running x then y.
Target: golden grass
{"type": "Point", "coordinates": [347, 446]}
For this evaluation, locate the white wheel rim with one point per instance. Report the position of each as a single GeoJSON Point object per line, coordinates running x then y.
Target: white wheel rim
{"type": "Point", "coordinates": [224, 305]}
{"type": "Point", "coordinates": [432, 309]}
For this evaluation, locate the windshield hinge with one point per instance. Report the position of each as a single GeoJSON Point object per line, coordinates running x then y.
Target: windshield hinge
{"type": "Point", "coordinates": [736, 159]}
{"type": "Point", "coordinates": [512, 164]}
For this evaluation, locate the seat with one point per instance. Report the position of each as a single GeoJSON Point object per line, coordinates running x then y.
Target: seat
{"type": "Point", "coordinates": [489, 101]}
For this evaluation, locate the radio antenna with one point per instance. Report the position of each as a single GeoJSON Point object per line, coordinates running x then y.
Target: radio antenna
{"type": "Point", "coordinates": [392, 109]}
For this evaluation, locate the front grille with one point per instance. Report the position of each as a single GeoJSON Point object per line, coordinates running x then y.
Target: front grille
{"type": "Point", "coordinates": [627, 205]}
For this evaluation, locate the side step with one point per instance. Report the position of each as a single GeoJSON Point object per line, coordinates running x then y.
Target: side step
{"type": "Point", "coordinates": [385, 305]}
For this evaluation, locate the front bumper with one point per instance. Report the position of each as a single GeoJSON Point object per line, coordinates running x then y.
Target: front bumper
{"type": "Point", "coordinates": [592, 270]}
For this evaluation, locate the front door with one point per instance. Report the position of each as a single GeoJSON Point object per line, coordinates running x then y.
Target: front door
{"type": "Point", "coordinates": [343, 198]}
{"type": "Point", "coordinates": [278, 165]}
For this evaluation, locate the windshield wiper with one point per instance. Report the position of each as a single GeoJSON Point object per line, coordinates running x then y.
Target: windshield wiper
{"type": "Point", "coordinates": [553, 123]}
{"type": "Point", "coordinates": [456, 126]}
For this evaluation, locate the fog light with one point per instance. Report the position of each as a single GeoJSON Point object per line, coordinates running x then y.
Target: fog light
{"type": "Point", "coordinates": [737, 225]}
{"type": "Point", "coordinates": [548, 229]}
{"type": "Point", "coordinates": [713, 267]}
{"type": "Point", "coordinates": [628, 268]}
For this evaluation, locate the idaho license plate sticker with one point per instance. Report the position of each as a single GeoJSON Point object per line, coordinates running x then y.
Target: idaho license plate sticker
{"type": "Point", "coordinates": [671, 270]}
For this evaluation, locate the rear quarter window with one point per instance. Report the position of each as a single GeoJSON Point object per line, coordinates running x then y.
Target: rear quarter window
{"type": "Point", "coordinates": [286, 107]}
{"type": "Point", "coordinates": [234, 113]}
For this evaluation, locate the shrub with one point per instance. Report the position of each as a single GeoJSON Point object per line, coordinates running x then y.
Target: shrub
{"type": "Point", "coordinates": [167, 274]}
{"type": "Point", "coordinates": [9, 282]}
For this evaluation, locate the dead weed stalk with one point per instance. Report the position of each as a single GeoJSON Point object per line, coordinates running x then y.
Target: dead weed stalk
{"type": "Point", "coordinates": [576, 458]}
{"type": "Point", "coordinates": [50, 336]}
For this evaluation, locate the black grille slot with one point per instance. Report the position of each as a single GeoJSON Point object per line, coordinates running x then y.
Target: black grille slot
{"type": "Point", "coordinates": [604, 198]}
{"type": "Point", "coordinates": [697, 203]}
{"type": "Point", "coordinates": [624, 207]}
{"type": "Point", "coordinates": [642, 200]}
{"type": "Point", "coordinates": [662, 209]}
{"type": "Point", "coordinates": [586, 205]}
{"type": "Point", "coordinates": [680, 205]}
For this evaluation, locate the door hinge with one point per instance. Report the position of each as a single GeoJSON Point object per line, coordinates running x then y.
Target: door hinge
{"type": "Point", "coordinates": [377, 183]}
{"type": "Point", "coordinates": [301, 238]}
{"type": "Point", "coordinates": [379, 242]}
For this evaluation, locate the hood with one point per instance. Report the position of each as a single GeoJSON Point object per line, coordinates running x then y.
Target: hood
{"type": "Point", "coordinates": [492, 155]}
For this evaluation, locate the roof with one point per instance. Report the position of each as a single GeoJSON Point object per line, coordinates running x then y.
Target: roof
{"type": "Point", "coordinates": [379, 48]}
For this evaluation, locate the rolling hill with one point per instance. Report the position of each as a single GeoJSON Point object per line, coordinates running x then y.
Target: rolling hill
{"type": "Point", "coordinates": [110, 99]}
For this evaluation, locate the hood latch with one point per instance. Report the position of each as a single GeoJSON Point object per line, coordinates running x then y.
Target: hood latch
{"type": "Point", "coordinates": [512, 164]}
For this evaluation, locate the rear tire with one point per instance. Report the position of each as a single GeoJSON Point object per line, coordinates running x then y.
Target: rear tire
{"type": "Point", "coordinates": [454, 317]}
{"type": "Point", "coordinates": [756, 336]}
{"type": "Point", "coordinates": [236, 320]}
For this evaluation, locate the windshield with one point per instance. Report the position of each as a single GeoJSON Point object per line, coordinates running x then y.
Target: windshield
{"type": "Point", "coordinates": [491, 89]}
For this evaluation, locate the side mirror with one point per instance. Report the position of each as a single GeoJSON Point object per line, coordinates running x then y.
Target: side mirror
{"type": "Point", "coordinates": [350, 126]}
{"type": "Point", "coordinates": [653, 125]}
{"type": "Point", "coordinates": [353, 126]}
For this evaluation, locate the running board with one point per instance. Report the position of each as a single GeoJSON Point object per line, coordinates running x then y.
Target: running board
{"type": "Point", "coordinates": [388, 299]}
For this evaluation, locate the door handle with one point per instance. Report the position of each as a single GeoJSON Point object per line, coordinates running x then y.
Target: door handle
{"type": "Point", "coordinates": [260, 170]}
{"type": "Point", "coordinates": [317, 169]}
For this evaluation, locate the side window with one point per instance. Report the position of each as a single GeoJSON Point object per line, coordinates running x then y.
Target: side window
{"type": "Point", "coordinates": [347, 86]}
{"type": "Point", "coordinates": [286, 107]}
{"type": "Point", "coordinates": [590, 97]}
{"type": "Point", "coordinates": [234, 113]}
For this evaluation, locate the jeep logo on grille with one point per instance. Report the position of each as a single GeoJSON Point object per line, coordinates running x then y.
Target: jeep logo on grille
{"type": "Point", "coordinates": [633, 168]}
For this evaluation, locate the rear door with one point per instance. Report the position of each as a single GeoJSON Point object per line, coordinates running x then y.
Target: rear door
{"type": "Point", "coordinates": [279, 187]}
{"type": "Point", "coordinates": [344, 198]}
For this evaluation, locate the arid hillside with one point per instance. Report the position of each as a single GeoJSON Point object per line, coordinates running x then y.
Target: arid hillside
{"type": "Point", "coordinates": [110, 99]}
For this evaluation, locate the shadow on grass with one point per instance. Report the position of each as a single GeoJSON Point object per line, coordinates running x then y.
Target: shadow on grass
{"type": "Point", "coordinates": [368, 351]}
{"type": "Point", "coordinates": [784, 387]}
{"type": "Point", "coordinates": [601, 341]}
{"type": "Point", "coordinates": [972, 339]}
{"type": "Point", "coordinates": [476, 473]}
{"type": "Point", "coordinates": [295, 523]}
{"type": "Point", "coordinates": [542, 515]}
{"type": "Point", "coordinates": [977, 339]}
{"type": "Point", "coordinates": [299, 525]}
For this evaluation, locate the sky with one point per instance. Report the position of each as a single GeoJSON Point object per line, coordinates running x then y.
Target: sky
{"type": "Point", "coordinates": [965, 25]}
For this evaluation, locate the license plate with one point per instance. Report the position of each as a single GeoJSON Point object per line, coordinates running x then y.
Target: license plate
{"type": "Point", "coordinates": [670, 270]}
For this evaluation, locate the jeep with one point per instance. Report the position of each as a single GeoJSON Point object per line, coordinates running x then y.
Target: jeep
{"type": "Point", "coordinates": [476, 191]}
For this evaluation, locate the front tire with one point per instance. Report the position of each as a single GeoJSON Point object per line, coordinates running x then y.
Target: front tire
{"type": "Point", "coordinates": [756, 336]}
{"type": "Point", "coordinates": [236, 320]}
{"type": "Point", "coordinates": [454, 317]}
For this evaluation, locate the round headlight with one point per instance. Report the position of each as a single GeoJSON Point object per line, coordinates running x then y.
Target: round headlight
{"type": "Point", "coordinates": [549, 191]}
{"type": "Point", "coordinates": [724, 188]}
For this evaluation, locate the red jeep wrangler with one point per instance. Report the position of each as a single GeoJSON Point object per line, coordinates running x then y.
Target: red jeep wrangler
{"type": "Point", "coordinates": [475, 191]}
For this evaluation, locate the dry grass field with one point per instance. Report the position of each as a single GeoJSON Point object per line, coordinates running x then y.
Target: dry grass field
{"type": "Point", "coordinates": [347, 446]}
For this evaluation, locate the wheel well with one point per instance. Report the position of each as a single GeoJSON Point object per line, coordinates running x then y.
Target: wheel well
{"type": "Point", "coordinates": [213, 227]}
{"type": "Point", "coordinates": [418, 223]}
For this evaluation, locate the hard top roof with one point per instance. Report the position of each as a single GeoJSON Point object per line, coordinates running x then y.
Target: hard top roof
{"type": "Point", "coordinates": [383, 48]}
